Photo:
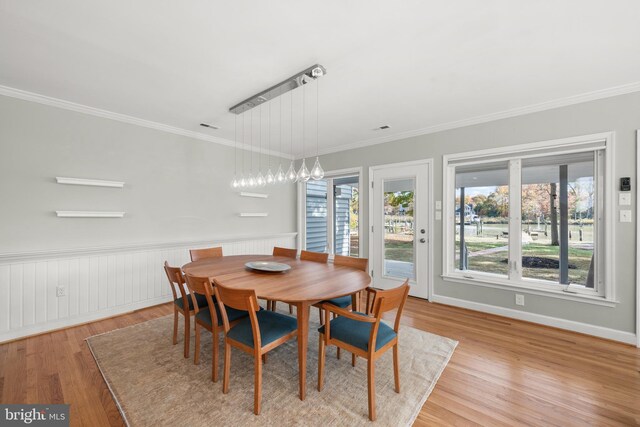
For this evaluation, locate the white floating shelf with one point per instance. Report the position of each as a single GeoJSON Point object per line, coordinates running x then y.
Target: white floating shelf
{"type": "Point", "coordinates": [89, 214]}
{"type": "Point", "coordinates": [89, 182]}
{"type": "Point", "coordinates": [249, 214]}
{"type": "Point", "coordinates": [256, 195]}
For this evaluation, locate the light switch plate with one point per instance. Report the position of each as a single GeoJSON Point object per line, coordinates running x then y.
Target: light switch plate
{"type": "Point", "coordinates": [624, 199]}
{"type": "Point", "coordinates": [625, 215]}
{"type": "Point", "coordinates": [438, 215]}
{"type": "Point", "coordinates": [438, 204]}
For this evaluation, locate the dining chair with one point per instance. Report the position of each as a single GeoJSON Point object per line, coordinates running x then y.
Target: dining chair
{"type": "Point", "coordinates": [177, 281]}
{"type": "Point", "coordinates": [257, 334]}
{"type": "Point", "coordinates": [198, 254]}
{"type": "Point", "coordinates": [284, 252]}
{"type": "Point", "coordinates": [314, 256]}
{"type": "Point", "coordinates": [365, 335]}
{"type": "Point", "coordinates": [345, 301]}
{"type": "Point", "coordinates": [202, 287]}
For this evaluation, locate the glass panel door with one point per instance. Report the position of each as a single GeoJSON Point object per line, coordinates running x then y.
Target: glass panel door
{"type": "Point", "coordinates": [399, 228]}
{"type": "Point", "coordinates": [399, 218]}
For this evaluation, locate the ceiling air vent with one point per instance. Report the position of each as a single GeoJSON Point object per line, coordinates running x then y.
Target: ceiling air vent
{"type": "Point", "coordinates": [207, 125]}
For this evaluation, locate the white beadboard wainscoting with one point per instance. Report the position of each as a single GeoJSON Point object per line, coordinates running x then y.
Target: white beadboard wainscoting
{"type": "Point", "coordinates": [99, 282]}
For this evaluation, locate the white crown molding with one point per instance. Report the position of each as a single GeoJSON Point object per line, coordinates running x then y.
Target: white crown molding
{"type": "Point", "coordinates": [72, 106]}
{"type": "Point", "coordinates": [514, 112]}
{"type": "Point", "coordinates": [9, 257]}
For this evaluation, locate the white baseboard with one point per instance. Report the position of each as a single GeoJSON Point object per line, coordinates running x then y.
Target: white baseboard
{"type": "Point", "coordinates": [570, 325]}
{"type": "Point", "coordinates": [78, 320]}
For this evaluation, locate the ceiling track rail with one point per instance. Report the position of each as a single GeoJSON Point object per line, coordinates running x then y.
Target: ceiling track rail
{"type": "Point", "coordinates": [303, 77]}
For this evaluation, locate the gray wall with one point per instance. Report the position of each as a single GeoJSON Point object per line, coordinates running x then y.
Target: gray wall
{"type": "Point", "coordinates": [620, 114]}
{"type": "Point", "coordinates": [177, 188]}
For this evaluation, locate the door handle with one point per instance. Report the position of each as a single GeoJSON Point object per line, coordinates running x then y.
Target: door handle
{"type": "Point", "coordinates": [422, 240]}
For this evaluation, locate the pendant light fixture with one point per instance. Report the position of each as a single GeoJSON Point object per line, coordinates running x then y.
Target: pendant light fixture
{"type": "Point", "coordinates": [291, 172]}
{"type": "Point", "coordinates": [269, 178]}
{"type": "Point", "coordinates": [260, 181]}
{"type": "Point", "coordinates": [251, 181]}
{"type": "Point", "coordinates": [280, 178]}
{"type": "Point", "coordinates": [317, 172]}
{"type": "Point", "coordinates": [303, 173]}
{"type": "Point", "coordinates": [256, 178]}
{"type": "Point", "coordinates": [235, 183]}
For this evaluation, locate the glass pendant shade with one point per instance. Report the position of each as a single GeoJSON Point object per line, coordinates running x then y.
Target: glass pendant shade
{"type": "Point", "coordinates": [270, 178]}
{"type": "Point", "coordinates": [251, 181]}
{"type": "Point", "coordinates": [260, 181]}
{"type": "Point", "coordinates": [303, 173]}
{"type": "Point", "coordinates": [317, 172]}
{"type": "Point", "coordinates": [242, 183]}
{"type": "Point", "coordinates": [291, 174]}
{"type": "Point", "coordinates": [280, 178]}
{"type": "Point", "coordinates": [235, 183]}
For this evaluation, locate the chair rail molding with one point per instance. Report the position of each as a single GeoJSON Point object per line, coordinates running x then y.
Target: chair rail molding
{"type": "Point", "coordinates": [99, 282]}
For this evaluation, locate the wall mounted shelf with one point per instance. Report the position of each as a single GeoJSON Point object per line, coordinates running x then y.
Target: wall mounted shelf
{"type": "Point", "coordinates": [253, 214]}
{"type": "Point", "coordinates": [89, 182]}
{"type": "Point", "coordinates": [89, 214]}
{"type": "Point", "coordinates": [256, 195]}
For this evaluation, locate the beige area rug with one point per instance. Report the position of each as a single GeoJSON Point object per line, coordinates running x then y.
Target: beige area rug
{"type": "Point", "coordinates": [154, 385]}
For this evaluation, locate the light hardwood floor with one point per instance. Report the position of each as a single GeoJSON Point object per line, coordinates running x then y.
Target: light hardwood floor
{"type": "Point", "coordinates": [504, 372]}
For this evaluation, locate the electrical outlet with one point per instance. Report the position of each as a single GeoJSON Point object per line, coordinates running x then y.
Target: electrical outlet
{"type": "Point", "coordinates": [60, 291]}
{"type": "Point", "coordinates": [519, 299]}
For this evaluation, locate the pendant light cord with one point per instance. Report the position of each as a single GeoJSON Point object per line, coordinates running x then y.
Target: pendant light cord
{"type": "Point", "coordinates": [304, 92]}
{"type": "Point", "coordinates": [317, 114]}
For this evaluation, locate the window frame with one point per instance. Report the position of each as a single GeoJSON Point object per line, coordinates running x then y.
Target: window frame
{"type": "Point", "coordinates": [604, 292]}
{"type": "Point", "coordinates": [302, 203]}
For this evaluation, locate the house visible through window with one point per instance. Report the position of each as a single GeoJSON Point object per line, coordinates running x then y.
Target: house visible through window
{"type": "Point", "coordinates": [530, 219]}
{"type": "Point", "coordinates": [331, 215]}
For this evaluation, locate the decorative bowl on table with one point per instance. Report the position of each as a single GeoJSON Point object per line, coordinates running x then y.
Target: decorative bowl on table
{"type": "Point", "coordinates": [268, 266]}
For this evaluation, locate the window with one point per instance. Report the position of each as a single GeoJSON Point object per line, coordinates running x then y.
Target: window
{"type": "Point", "coordinates": [530, 217]}
{"type": "Point", "coordinates": [331, 209]}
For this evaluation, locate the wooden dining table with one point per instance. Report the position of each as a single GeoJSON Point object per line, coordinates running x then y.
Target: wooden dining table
{"type": "Point", "coordinates": [305, 284]}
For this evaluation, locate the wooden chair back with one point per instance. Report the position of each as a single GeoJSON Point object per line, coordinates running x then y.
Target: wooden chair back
{"type": "Point", "coordinates": [240, 299]}
{"type": "Point", "coordinates": [290, 253]}
{"type": "Point", "coordinates": [314, 256]}
{"type": "Point", "coordinates": [197, 254]}
{"type": "Point", "coordinates": [202, 286]}
{"type": "Point", "coordinates": [391, 299]}
{"type": "Point", "coordinates": [176, 280]}
{"type": "Point", "coordinates": [348, 261]}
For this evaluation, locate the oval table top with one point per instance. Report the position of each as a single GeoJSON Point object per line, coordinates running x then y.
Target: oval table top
{"type": "Point", "coordinates": [307, 281]}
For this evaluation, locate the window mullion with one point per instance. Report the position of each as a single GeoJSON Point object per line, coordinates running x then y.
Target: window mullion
{"type": "Point", "coordinates": [515, 219]}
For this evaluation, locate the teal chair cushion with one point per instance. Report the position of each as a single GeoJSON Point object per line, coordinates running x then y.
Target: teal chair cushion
{"type": "Point", "coordinates": [273, 325]}
{"type": "Point", "coordinates": [357, 333]}
{"type": "Point", "coordinates": [202, 301]}
{"type": "Point", "coordinates": [232, 314]}
{"type": "Point", "coordinates": [342, 302]}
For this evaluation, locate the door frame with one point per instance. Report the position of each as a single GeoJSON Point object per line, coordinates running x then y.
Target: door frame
{"type": "Point", "coordinates": [429, 208]}
{"type": "Point", "coordinates": [637, 240]}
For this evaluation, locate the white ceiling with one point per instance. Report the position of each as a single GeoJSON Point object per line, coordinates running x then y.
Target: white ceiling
{"type": "Point", "coordinates": [409, 64]}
